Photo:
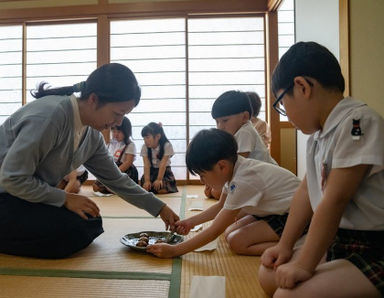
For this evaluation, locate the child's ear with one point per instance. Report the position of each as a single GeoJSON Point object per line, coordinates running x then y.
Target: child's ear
{"type": "Point", "coordinates": [302, 86]}
{"type": "Point", "coordinates": [223, 165]}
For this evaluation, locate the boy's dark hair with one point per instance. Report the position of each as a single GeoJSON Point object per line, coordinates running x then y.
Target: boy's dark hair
{"type": "Point", "coordinates": [153, 129]}
{"type": "Point", "coordinates": [230, 103]}
{"type": "Point", "coordinates": [255, 102]}
{"type": "Point", "coordinates": [207, 148]}
{"type": "Point", "coordinates": [126, 128]}
{"type": "Point", "coordinates": [308, 59]}
{"type": "Point", "coordinates": [112, 82]}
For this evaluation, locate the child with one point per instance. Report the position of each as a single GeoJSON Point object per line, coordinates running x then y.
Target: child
{"type": "Point", "coordinates": [123, 151]}
{"type": "Point", "coordinates": [259, 190]}
{"type": "Point", "coordinates": [232, 111]}
{"type": "Point", "coordinates": [72, 182]}
{"type": "Point", "coordinates": [157, 152]}
{"type": "Point", "coordinates": [261, 126]}
{"type": "Point", "coordinates": [342, 193]}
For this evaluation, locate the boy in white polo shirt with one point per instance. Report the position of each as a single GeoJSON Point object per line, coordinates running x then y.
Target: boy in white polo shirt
{"type": "Point", "coordinates": [342, 195]}
{"type": "Point", "coordinates": [258, 192]}
{"type": "Point", "coordinates": [232, 111]}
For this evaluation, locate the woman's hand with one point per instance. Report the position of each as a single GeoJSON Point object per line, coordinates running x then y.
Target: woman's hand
{"type": "Point", "coordinates": [162, 250]}
{"type": "Point", "coordinates": [290, 274]}
{"type": "Point", "coordinates": [183, 227]}
{"type": "Point", "coordinates": [81, 205]}
{"type": "Point", "coordinates": [158, 184]}
{"type": "Point", "coordinates": [169, 217]}
{"type": "Point", "coordinates": [275, 256]}
{"type": "Point", "coordinates": [147, 185]}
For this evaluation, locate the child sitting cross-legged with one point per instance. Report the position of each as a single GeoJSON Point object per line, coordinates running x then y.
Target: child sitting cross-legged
{"type": "Point", "coordinates": [258, 192]}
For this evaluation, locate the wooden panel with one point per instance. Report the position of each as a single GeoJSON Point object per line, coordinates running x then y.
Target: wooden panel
{"type": "Point", "coordinates": [344, 43]}
{"type": "Point", "coordinates": [288, 149]}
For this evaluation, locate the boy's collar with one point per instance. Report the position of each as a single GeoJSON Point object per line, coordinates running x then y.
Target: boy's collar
{"type": "Point", "coordinates": [339, 112]}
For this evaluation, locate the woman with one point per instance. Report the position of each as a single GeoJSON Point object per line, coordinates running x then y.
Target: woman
{"type": "Point", "coordinates": [44, 141]}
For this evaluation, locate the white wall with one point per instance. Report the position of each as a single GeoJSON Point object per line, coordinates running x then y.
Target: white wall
{"type": "Point", "coordinates": [315, 21]}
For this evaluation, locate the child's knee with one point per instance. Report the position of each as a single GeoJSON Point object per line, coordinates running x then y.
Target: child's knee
{"type": "Point", "coordinates": [235, 242]}
{"type": "Point", "coordinates": [266, 277]}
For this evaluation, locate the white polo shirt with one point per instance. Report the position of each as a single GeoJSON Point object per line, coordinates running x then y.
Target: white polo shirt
{"type": "Point", "coordinates": [168, 151]}
{"type": "Point", "coordinates": [248, 140]}
{"type": "Point", "coordinates": [260, 188]}
{"type": "Point", "coordinates": [353, 134]}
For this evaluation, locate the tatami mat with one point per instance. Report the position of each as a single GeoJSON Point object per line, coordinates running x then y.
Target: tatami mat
{"type": "Point", "coordinates": [109, 269]}
{"type": "Point", "coordinates": [106, 253]}
{"type": "Point", "coordinates": [49, 287]}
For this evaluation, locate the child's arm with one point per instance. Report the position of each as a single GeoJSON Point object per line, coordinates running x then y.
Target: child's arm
{"type": "Point", "coordinates": [342, 184]}
{"type": "Point", "coordinates": [225, 218]}
{"type": "Point", "coordinates": [300, 214]}
{"type": "Point", "coordinates": [73, 184]}
{"type": "Point", "coordinates": [244, 154]}
{"type": "Point", "coordinates": [147, 173]}
{"type": "Point", "coordinates": [128, 161]}
{"type": "Point", "coordinates": [158, 183]}
{"type": "Point", "coordinates": [184, 226]}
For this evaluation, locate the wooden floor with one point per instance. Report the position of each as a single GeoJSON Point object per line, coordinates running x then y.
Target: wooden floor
{"type": "Point", "coordinates": [109, 269]}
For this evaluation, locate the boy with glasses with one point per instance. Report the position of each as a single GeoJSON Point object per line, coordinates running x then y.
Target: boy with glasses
{"type": "Point", "coordinates": [342, 193]}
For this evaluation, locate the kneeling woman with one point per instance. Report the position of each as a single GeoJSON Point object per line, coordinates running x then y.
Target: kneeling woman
{"type": "Point", "coordinates": [47, 139]}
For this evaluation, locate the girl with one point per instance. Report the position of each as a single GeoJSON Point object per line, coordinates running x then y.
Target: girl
{"type": "Point", "coordinates": [123, 151]}
{"type": "Point", "coordinates": [156, 153]}
{"type": "Point", "coordinates": [48, 138]}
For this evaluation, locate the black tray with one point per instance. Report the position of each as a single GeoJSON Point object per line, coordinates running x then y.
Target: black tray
{"type": "Point", "coordinates": [130, 240]}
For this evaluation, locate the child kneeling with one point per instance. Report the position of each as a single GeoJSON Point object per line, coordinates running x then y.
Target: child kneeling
{"type": "Point", "coordinates": [257, 191]}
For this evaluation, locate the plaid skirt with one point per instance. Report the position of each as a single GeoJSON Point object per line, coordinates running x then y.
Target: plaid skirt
{"type": "Point", "coordinates": [364, 249]}
{"type": "Point", "coordinates": [169, 181]}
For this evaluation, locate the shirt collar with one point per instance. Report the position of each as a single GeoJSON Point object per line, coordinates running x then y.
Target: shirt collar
{"type": "Point", "coordinates": [78, 125]}
{"type": "Point", "coordinates": [339, 112]}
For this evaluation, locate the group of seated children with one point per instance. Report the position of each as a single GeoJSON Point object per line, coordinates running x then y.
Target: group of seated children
{"type": "Point", "coordinates": [156, 153]}
{"type": "Point", "coordinates": [264, 209]}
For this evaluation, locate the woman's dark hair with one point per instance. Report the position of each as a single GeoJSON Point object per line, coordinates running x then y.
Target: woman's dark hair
{"type": "Point", "coordinates": [308, 59]}
{"type": "Point", "coordinates": [207, 148]}
{"type": "Point", "coordinates": [153, 129]}
{"type": "Point", "coordinates": [126, 128]}
{"type": "Point", "coordinates": [255, 102]}
{"type": "Point", "coordinates": [230, 103]}
{"type": "Point", "coordinates": [112, 82]}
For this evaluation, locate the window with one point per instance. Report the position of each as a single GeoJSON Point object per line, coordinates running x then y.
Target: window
{"type": "Point", "coordinates": [69, 52]}
{"type": "Point", "coordinates": [215, 54]}
{"type": "Point", "coordinates": [286, 29]}
{"type": "Point", "coordinates": [10, 70]}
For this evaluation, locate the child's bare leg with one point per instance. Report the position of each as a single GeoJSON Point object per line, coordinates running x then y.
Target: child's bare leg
{"type": "Point", "coordinates": [252, 239]}
{"type": "Point", "coordinates": [339, 278]}
{"type": "Point", "coordinates": [266, 276]}
{"type": "Point", "coordinates": [243, 220]}
{"type": "Point", "coordinates": [162, 191]}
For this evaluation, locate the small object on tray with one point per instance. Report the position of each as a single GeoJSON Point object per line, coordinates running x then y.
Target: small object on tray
{"type": "Point", "coordinates": [136, 240]}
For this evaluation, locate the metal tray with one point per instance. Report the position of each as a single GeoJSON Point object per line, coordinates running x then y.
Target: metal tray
{"type": "Point", "coordinates": [130, 240]}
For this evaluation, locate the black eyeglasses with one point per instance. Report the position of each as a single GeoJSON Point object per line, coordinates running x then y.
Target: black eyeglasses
{"type": "Point", "coordinates": [277, 105]}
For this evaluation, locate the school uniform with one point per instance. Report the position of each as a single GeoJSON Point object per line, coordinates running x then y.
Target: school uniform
{"type": "Point", "coordinates": [353, 135]}
{"type": "Point", "coordinates": [169, 180]}
{"type": "Point", "coordinates": [261, 189]}
{"type": "Point", "coordinates": [118, 150]}
{"type": "Point", "coordinates": [39, 144]}
{"type": "Point", "coordinates": [248, 140]}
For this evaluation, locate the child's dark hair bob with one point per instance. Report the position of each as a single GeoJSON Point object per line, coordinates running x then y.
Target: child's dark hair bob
{"type": "Point", "coordinates": [207, 148]}
{"type": "Point", "coordinates": [230, 103]}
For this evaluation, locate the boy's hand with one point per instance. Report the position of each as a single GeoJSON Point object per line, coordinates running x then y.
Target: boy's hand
{"type": "Point", "coordinates": [183, 227]}
{"type": "Point", "coordinates": [162, 250]}
{"type": "Point", "coordinates": [275, 256]}
{"type": "Point", "coordinates": [169, 217]}
{"type": "Point", "coordinates": [290, 274]}
{"type": "Point", "coordinates": [81, 205]}
{"type": "Point", "coordinates": [147, 185]}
